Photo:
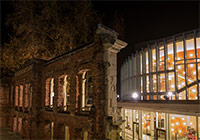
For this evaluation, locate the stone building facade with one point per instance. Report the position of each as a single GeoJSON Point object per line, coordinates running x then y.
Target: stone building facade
{"type": "Point", "coordinates": [72, 96]}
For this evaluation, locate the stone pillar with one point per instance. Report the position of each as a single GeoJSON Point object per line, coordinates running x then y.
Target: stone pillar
{"type": "Point", "coordinates": [111, 46]}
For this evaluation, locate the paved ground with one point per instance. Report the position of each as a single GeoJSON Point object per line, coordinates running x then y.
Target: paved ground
{"type": "Point", "coordinates": [6, 134]}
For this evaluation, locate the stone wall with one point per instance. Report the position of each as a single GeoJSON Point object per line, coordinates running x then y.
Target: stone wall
{"type": "Point", "coordinates": [89, 93]}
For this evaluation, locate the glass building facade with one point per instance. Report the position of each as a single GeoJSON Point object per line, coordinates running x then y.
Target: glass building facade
{"type": "Point", "coordinates": [165, 76]}
{"type": "Point", "coordinates": [167, 69]}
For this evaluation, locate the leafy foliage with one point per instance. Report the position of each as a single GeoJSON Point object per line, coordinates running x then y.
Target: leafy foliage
{"type": "Point", "coordinates": [43, 29]}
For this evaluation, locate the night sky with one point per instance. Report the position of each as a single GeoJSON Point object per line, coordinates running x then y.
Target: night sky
{"type": "Point", "coordinates": [143, 20]}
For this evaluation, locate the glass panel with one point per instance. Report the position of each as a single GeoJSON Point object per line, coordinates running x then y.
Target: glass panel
{"type": "Point", "coordinates": [183, 127]}
{"type": "Point", "coordinates": [199, 71]}
{"type": "Point", "coordinates": [171, 82]}
{"type": "Point", "coordinates": [128, 124]}
{"type": "Point", "coordinates": [161, 120]}
{"type": "Point", "coordinates": [161, 58]}
{"type": "Point", "coordinates": [141, 85]}
{"type": "Point", "coordinates": [154, 60]}
{"type": "Point", "coordinates": [198, 46]}
{"type": "Point", "coordinates": [170, 54]}
{"type": "Point", "coordinates": [136, 114]}
{"type": "Point", "coordinates": [182, 95]}
{"type": "Point", "coordinates": [181, 76]}
{"type": "Point", "coordinates": [146, 121]}
{"type": "Point", "coordinates": [162, 82]}
{"type": "Point", "coordinates": [147, 62]}
{"type": "Point", "coordinates": [179, 51]}
{"type": "Point", "coordinates": [140, 63]}
{"type": "Point", "coordinates": [191, 73]}
{"type": "Point", "coordinates": [192, 93]}
{"type": "Point", "coordinates": [190, 51]}
{"type": "Point", "coordinates": [154, 83]}
{"type": "Point", "coordinates": [199, 125]}
{"type": "Point", "coordinates": [147, 83]}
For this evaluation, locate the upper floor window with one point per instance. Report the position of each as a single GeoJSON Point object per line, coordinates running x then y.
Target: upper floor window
{"type": "Point", "coordinates": [85, 87]}
{"type": "Point", "coordinates": [49, 92]}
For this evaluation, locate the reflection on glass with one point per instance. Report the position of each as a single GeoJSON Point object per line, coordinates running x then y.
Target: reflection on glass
{"type": "Point", "coordinates": [162, 82]}
{"type": "Point", "coordinates": [161, 58]}
{"type": "Point", "coordinates": [154, 60]}
{"type": "Point", "coordinates": [182, 127]}
{"type": "Point", "coordinates": [171, 82]}
{"type": "Point", "coordinates": [192, 93]}
{"type": "Point", "coordinates": [170, 53]}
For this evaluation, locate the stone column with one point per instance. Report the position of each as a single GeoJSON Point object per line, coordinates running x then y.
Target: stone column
{"type": "Point", "coordinates": [111, 46]}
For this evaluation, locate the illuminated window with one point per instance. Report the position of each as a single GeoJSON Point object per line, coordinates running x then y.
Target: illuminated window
{"type": "Point", "coordinates": [21, 88]}
{"type": "Point", "coordinates": [66, 88]}
{"type": "Point", "coordinates": [147, 62]}
{"type": "Point", "coordinates": [49, 92]}
{"type": "Point", "coordinates": [147, 83]}
{"type": "Point", "coordinates": [161, 58]}
{"type": "Point", "coordinates": [67, 135]}
{"type": "Point", "coordinates": [16, 95]}
{"type": "Point", "coordinates": [161, 120]}
{"type": "Point", "coordinates": [154, 60]}
{"type": "Point", "coordinates": [171, 82]}
{"type": "Point", "coordinates": [190, 50]}
{"type": "Point", "coordinates": [183, 127]}
{"type": "Point", "coordinates": [162, 82]}
{"type": "Point", "coordinates": [199, 125]}
{"type": "Point", "coordinates": [170, 53]}
{"type": "Point", "coordinates": [141, 85]}
{"type": "Point", "coordinates": [192, 93]}
{"type": "Point", "coordinates": [182, 95]}
{"type": "Point", "coordinates": [180, 76]}
{"type": "Point", "coordinates": [19, 125]}
{"type": "Point", "coordinates": [15, 124]}
{"type": "Point", "coordinates": [85, 135]}
{"type": "Point", "coordinates": [146, 121]}
{"type": "Point", "coordinates": [154, 83]}
{"type": "Point", "coordinates": [179, 51]}
{"type": "Point", "coordinates": [52, 130]}
{"type": "Point", "coordinates": [198, 46]}
{"type": "Point", "coordinates": [85, 86]}
{"type": "Point", "coordinates": [140, 63]}
{"type": "Point", "coordinates": [128, 118]}
{"type": "Point", "coordinates": [191, 73]}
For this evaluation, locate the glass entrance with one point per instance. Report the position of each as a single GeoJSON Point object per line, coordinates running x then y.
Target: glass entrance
{"type": "Point", "coordinates": [135, 131]}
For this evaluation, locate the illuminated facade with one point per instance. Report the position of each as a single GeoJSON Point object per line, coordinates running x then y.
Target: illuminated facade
{"type": "Point", "coordinates": [163, 74]}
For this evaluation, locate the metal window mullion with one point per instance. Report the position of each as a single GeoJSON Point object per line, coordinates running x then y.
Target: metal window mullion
{"type": "Point", "coordinates": [150, 73]}
{"type": "Point", "coordinates": [195, 46]}
{"type": "Point", "coordinates": [185, 65]}
{"type": "Point", "coordinates": [157, 68]}
{"type": "Point", "coordinates": [175, 76]}
{"type": "Point", "coordinates": [166, 65]}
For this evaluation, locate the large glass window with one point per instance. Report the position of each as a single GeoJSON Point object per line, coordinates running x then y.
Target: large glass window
{"type": "Point", "coordinates": [161, 120]}
{"type": "Point", "coordinates": [140, 63]}
{"type": "Point", "coordinates": [171, 82]}
{"type": "Point", "coordinates": [162, 82]}
{"type": "Point", "coordinates": [153, 60]}
{"type": "Point", "coordinates": [192, 93]}
{"type": "Point", "coordinates": [161, 58]}
{"type": "Point", "coordinates": [170, 53]}
{"type": "Point", "coordinates": [183, 127]}
{"type": "Point", "coordinates": [180, 70]}
{"type": "Point", "coordinates": [191, 73]}
{"type": "Point", "coordinates": [146, 121]}
{"type": "Point", "coordinates": [154, 83]}
{"type": "Point", "coordinates": [147, 62]}
{"type": "Point", "coordinates": [147, 83]}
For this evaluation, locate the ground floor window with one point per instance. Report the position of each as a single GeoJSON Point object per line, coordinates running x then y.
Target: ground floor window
{"type": "Point", "coordinates": [146, 125]}
{"type": "Point", "coordinates": [183, 127]}
{"type": "Point", "coordinates": [67, 133]}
